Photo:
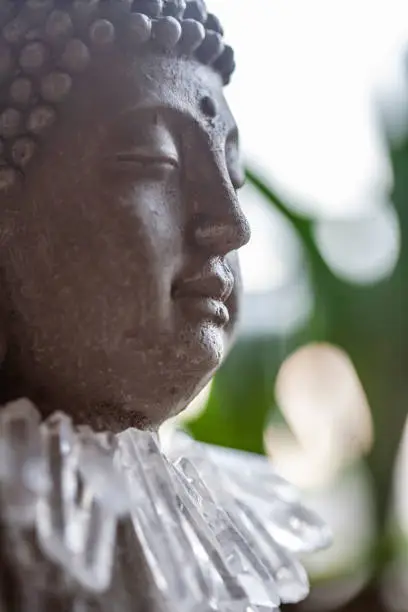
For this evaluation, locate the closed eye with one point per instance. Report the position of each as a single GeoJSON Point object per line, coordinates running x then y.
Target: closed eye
{"type": "Point", "coordinates": [144, 159]}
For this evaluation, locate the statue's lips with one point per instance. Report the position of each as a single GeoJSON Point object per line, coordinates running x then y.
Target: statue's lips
{"type": "Point", "coordinates": [207, 309]}
{"type": "Point", "coordinates": [207, 292]}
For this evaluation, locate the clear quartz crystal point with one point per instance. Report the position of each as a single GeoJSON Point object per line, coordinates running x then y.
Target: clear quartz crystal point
{"type": "Point", "coordinates": [158, 522]}
{"type": "Point", "coordinates": [102, 498]}
{"type": "Point", "coordinates": [218, 527]}
{"type": "Point", "coordinates": [296, 527]}
{"type": "Point", "coordinates": [290, 523]}
{"type": "Point", "coordinates": [55, 507]}
{"type": "Point", "coordinates": [290, 576]}
{"type": "Point", "coordinates": [98, 466]}
{"type": "Point", "coordinates": [76, 520]}
{"type": "Point", "coordinates": [243, 555]}
{"type": "Point", "coordinates": [227, 593]}
{"type": "Point", "coordinates": [239, 466]}
{"type": "Point", "coordinates": [263, 509]}
{"type": "Point", "coordinates": [22, 467]}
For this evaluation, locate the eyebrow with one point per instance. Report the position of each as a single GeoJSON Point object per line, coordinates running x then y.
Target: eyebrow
{"type": "Point", "coordinates": [122, 124]}
{"type": "Point", "coordinates": [157, 110]}
{"type": "Point", "coordinates": [139, 111]}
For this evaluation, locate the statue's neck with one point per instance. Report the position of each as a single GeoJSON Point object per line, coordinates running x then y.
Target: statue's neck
{"type": "Point", "coordinates": [103, 417]}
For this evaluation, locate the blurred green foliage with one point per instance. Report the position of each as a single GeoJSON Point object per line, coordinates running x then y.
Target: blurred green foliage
{"type": "Point", "coordinates": [369, 322]}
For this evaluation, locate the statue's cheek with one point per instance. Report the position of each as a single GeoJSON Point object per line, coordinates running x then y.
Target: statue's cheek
{"type": "Point", "coordinates": [147, 213]}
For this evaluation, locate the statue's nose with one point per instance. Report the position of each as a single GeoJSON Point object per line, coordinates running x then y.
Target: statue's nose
{"type": "Point", "coordinates": [223, 227]}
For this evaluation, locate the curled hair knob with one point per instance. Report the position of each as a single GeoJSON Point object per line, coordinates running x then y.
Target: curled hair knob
{"type": "Point", "coordinates": [196, 10]}
{"type": "Point", "coordinates": [193, 34]}
{"type": "Point", "coordinates": [225, 64]}
{"type": "Point", "coordinates": [76, 56]}
{"type": "Point", "coordinates": [55, 86]}
{"type": "Point", "coordinates": [214, 24]}
{"type": "Point", "coordinates": [151, 8]}
{"type": "Point", "coordinates": [174, 8]}
{"type": "Point", "coordinates": [58, 26]}
{"type": "Point", "coordinates": [167, 32]}
{"type": "Point", "coordinates": [139, 28]}
{"type": "Point", "coordinates": [22, 150]}
{"type": "Point", "coordinates": [14, 30]}
{"type": "Point", "coordinates": [40, 119]}
{"type": "Point", "coordinates": [102, 32]}
{"type": "Point", "coordinates": [33, 57]}
{"type": "Point", "coordinates": [211, 48]}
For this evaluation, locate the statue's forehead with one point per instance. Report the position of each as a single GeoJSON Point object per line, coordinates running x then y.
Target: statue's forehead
{"type": "Point", "coordinates": [183, 87]}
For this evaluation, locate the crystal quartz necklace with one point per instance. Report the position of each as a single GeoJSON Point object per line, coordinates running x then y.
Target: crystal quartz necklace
{"type": "Point", "coordinates": [219, 530]}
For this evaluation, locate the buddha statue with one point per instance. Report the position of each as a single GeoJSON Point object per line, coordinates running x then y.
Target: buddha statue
{"type": "Point", "coordinates": [120, 166]}
{"type": "Point", "coordinates": [119, 282]}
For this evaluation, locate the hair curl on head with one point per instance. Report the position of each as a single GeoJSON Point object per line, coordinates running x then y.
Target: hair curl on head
{"type": "Point", "coordinates": [45, 43]}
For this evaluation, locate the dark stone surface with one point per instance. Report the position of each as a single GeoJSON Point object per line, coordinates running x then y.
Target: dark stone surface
{"type": "Point", "coordinates": [118, 259]}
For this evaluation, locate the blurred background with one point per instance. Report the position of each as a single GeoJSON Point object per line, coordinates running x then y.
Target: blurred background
{"type": "Point", "coordinates": [319, 377]}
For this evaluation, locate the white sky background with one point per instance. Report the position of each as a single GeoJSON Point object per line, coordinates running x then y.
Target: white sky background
{"type": "Point", "coordinates": [304, 91]}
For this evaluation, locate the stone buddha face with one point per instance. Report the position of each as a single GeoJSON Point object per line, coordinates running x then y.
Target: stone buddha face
{"type": "Point", "coordinates": [119, 281]}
